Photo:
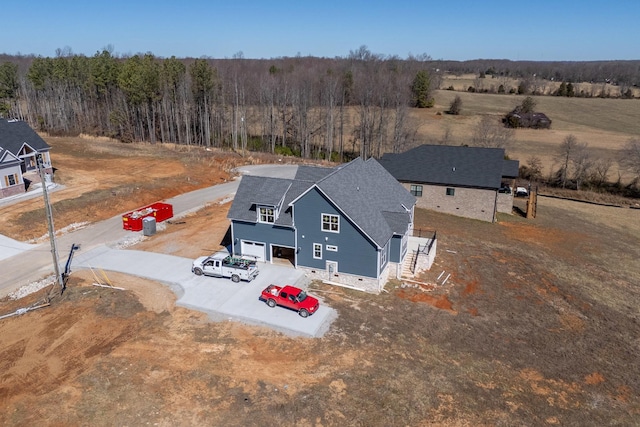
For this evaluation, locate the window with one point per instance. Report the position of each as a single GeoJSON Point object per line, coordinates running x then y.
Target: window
{"type": "Point", "coordinates": [383, 256]}
{"type": "Point", "coordinates": [267, 215]}
{"type": "Point", "coordinates": [332, 248]}
{"type": "Point", "coordinates": [451, 191]}
{"type": "Point", "coordinates": [416, 190]}
{"type": "Point", "coordinates": [10, 180]}
{"type": "Point", "coordinates": [331, 223]}
{"type": "Point", "coordinates": [317, 250]}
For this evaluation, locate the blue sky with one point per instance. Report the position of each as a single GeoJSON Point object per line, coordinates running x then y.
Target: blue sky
{"type": "Point", "coordinates": [560, 30]}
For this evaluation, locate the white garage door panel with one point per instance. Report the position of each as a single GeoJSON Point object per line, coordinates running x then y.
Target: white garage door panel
{"type": "Point", "coordinates": [253, 249]}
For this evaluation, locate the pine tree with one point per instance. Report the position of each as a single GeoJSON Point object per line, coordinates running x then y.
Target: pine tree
{"type": "Point", "coordinates": [421, 90]}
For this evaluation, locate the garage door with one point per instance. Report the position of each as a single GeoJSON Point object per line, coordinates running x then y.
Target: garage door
{"type": "Point", "coordinates": [253, 249]}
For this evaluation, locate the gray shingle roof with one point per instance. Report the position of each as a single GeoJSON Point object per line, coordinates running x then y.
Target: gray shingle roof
{"type": "Point", "coordinates": [448, 165]}
{"type": "Point", "coordinates": [312, 173]}
{"type": "Point", "coordinates": [14, 133]}
{"type": "Point", "coordinates": [367, 194]}
{"type": "Point", "coordinates": [364, 191]}
{"type": "Point", "coordinates": [397, 221]}
{"type": "Point", "coordinates": [510, 169]}
{"type": "Point", "coordinates": [256, 190]}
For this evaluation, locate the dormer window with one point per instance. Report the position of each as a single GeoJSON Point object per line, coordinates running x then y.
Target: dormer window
{"type": "Point", "coordinates": [267, 215]}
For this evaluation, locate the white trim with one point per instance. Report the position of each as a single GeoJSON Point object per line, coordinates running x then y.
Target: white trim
{"type": "Point", "coordinates": [335, 271]}
{"type": "Point", "coordinates": [329, 223]}
{"type": "Point", "coordinates": [317, 245]}
{"type": "Point", "coordinates": [273, 214]}
{"type": "Point", "coordinates": [272, 245]}
{"type": "Point", "coordinates": [253, 243]}
{"type": "Point", "coordinates": [384, 255]}
{"type": "Point", "coordinates": [6, 154]}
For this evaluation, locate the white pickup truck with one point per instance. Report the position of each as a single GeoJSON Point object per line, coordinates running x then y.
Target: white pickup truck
{"type": "Point", "coordinates": [221, 264]}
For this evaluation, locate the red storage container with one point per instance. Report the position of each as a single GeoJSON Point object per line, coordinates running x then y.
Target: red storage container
{"type": "Point", "coordinates": [133, 220]}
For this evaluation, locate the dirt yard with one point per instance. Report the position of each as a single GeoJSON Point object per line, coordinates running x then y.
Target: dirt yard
{"type": "Point", "coordinates": [538, 324]}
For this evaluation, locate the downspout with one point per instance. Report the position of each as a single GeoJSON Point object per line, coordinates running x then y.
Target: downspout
{"type": "Point", "coordinates": [233, 241]}
{"type": "Point", "coordinates": [295, 237]}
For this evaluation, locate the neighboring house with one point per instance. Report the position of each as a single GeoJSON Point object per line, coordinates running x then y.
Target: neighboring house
{"type": "Point", "coordinates": [19, 146]}
{"type": "Point", "coordinates": [472, 182]}
{"type": "Point", "coordinates": [347, 225]}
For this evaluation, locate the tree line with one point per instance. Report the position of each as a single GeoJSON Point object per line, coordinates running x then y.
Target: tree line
{"type": "Point", "coordinates": [578, 167]}
{"type": "Point", "coordinates": [308, 106]}
{"type": "Point", "coordinates": [311, 107]}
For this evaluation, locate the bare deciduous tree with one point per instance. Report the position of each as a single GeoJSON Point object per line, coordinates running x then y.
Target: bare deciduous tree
{"type": "Point", "coordinates": [567, 149]}
{"type": "Point", "coordinates": [491, 134]}
{"type": "Point", "coordinates": [600, 171]}
{"type": "Point", "coordinates": [575, 160]}
{"type": "Point", "coordinates": [582, 163]}
{"type": "Point", "coordinates": [630, 157]}
{"type": "Point", "coordinates": [532, 171]}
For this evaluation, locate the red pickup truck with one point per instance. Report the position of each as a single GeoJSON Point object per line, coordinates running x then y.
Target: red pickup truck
{"type": "Point", "coordinates": [290, 297]}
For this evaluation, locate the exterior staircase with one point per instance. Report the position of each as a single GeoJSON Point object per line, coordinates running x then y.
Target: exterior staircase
{"type": "Point", "coordinates": [407, 265]}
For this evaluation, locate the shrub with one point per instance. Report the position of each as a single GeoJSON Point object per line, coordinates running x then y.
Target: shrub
{"type": "Point", "coordinates": [456, 106]}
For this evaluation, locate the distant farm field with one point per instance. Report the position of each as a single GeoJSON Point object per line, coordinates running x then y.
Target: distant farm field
{"type": "Point", "coordinates": [464, 81]}
{"type": "Point", "coordinates": [604, 124]}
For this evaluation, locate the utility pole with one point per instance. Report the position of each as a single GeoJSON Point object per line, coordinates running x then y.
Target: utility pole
{"type": "Point", "coordinates": [52, 234]}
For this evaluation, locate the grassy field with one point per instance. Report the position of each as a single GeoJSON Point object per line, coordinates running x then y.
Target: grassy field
{"type": "Point", "coordinates": [464, 81]}
{"type": "Point", "coordinates": [604, 124]}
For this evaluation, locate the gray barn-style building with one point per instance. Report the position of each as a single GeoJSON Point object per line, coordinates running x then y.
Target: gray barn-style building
{"type": "Point", "coordinates": [471, 182]}
{"type": "Point", "coordinates": [347, 225]}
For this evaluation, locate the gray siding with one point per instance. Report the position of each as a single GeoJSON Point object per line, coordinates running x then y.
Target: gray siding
{"type": "Point", "coordinates": [355, 255]}
{"type": "Point", "coordinates": [257, 232]}
{"type": "Point", "coordinates": [396, 249]}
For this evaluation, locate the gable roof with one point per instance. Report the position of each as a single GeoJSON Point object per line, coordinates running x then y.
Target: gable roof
{"type": "Point", "coordinates": [257, 190]}
{"type": "Point", "coordinates": [8, 157]}
{"type": "Point", "coordinates": [15, 133]}
{"type": "Point", "coordinates": [372, 199]}
{"type": "Point", "coordinates": [449, 165]}
{"type": "Point", "coordinates": [365, 192]}
{"type": "Point", "coordinates": [312, 173]}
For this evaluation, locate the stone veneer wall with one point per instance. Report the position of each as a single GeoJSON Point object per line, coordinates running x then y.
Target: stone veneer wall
{"type": "Point", "coordinates": [425, 261]}
{"type": "Point", "coordinates": [505, 203]}
{"type": "Point", "coordinates": [467, 202]}
{"type": "Point", "coordinates": [361, 283]}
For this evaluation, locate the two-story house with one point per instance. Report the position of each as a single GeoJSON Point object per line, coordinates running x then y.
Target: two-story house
{"type": "Point", "coordinates": [347, 225]}
{"type": "Point", "coordinates": [19, 148]}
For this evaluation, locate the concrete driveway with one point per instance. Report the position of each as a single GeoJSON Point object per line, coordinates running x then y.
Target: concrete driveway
{"type": "Point", "coordinates": [221, 299]}
{"type": "Point", "coordinates": [22, 264]}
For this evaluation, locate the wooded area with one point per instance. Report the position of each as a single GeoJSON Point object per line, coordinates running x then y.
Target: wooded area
{"type": "Point", "coordinates": [311, 107]}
